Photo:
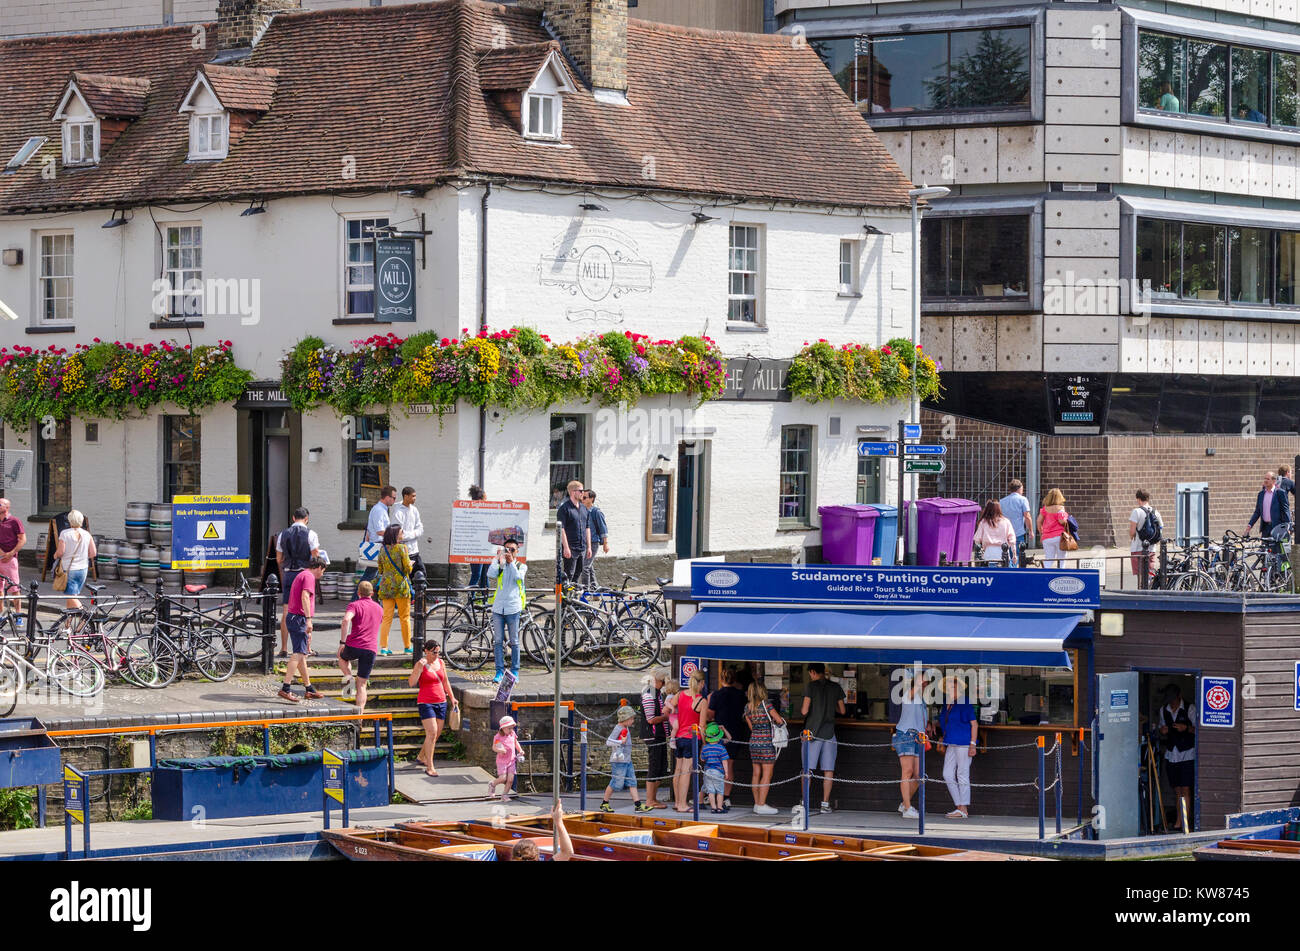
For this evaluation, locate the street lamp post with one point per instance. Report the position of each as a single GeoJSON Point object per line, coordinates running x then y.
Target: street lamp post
{"type": "Point", "coordinates": [914, 195]}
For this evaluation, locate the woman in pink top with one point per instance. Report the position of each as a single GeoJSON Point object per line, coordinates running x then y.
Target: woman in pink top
{"type": "Point", "coordinates": [690, 709]}
{"type": "Point", "coordinates": [994, 533]}
{"type": "Point", "coordinates": [1053, 522]}
{"type": "Point", "coordinates": [435, 691]}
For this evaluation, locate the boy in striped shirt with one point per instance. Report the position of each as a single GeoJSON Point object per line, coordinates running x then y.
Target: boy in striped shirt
{"type": "Point", "coordinates": [714, 758]}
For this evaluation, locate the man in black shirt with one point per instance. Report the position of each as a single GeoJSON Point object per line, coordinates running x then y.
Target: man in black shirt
{"type": "Point", "coordinates": [573, 526]}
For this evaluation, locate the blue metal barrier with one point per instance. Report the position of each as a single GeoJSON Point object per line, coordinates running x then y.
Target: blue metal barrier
{"type": "Point", "coordinates": [568, 741]}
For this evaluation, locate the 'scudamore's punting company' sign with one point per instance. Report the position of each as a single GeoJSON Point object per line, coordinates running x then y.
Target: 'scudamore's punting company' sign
{"type": "Point", "coordinates": [908, 587]}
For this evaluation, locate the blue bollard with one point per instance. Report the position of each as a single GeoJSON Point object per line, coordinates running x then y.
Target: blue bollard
{"type": "Point", "coordinates": [695, 770]}
{"type": "Point", "coordinates": [920, 789]}
{"type": "Point", "coordinates": [266, 740]}
{"type": "Point", "coordinates": [582, 767]}
{"type": "Point", "coordinates": [1042, 793]}
{"type": "Point", "coordinates": [392, 783]}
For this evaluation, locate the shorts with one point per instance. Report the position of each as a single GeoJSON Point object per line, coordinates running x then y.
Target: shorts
{"type": "Point", "coordinates": [622, 776]}
{"type": "Point", "coordinates": [713, 781]}
{"type": "Point", "coordinates": [657, 756]}
{"type": "Point", "coordinates": [822, 753]}
{"type": "Point", "coordinates": [9, 569]}
{"type": "Point", "coordinates": [75, 580]}
{"type": "Point", "coordinates": [1181, 774]}
{"type": "Point", "coordinates": [296, 625]}
{"type": "Point", "coordinates": [433, 711]}
{"type": "Point", "coordinates": [289, 575]}
{"type": "Point", "coordinates": [907, 744]}
{"type": "Point", "coordinates": [685, 748]}
{"type": "Point", "coordinates": [365, 659]}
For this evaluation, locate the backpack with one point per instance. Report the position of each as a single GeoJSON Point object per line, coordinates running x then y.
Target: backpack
{"type": "Point", "coordinates": [1152, 528]}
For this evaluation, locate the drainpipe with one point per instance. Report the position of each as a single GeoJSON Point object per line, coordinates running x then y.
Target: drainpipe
{"type": "Point", "coordinates": [482, 324]}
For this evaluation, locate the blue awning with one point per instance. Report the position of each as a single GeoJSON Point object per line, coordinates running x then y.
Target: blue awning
{"type": "Point", "coordinates": [1024, 639]}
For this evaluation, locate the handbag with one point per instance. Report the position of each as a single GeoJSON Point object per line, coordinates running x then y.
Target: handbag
{"type": "Point", "coordinates": [453, 717]}
{"type": "Point", "coordinates": [60, 582]}
{"type": "Point", "coordinates": [368, 552]}
{"type": "Point", "coordinates": [780, 731]}
{"type": "Point", "coordinates": [1068, 541]}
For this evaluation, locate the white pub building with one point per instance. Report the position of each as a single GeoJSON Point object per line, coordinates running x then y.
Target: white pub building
{"type": "Point", "coordinates": [563, 169]}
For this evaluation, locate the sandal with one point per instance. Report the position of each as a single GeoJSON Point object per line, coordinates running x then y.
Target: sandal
{"type": "Point", "coordinates": [956, 814]}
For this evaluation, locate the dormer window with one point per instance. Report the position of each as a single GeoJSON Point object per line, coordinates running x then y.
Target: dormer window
{"type": "Point", "coordinates": [543, 116]}
{"type": "Point", "coordinates": [208, 136]}
{"type": "Point", "coordinates": [80, 142]}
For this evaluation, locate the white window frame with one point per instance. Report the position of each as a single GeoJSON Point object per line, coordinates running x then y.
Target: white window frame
{"type": "Point", "coordinates": [850, 268]}
{"type": "Point", "coordinates": [183, 306]}
{"type": "Point", "coordinates": [44, 280]}
{"type": "Point", "coordinates": [810, 495]}
{"type": "Point", "coordinates": [756, 272]}
{"type": "Point", "coordinates": [75, 133]}
{"type": "Point", "coordinates": [207, 119]}
{"type": "Point", "coordinates": [539, 132]}
{"type": "Point", "coordinates": [583, 463]}
{"type": "Point", "coordinates": [346, 286]}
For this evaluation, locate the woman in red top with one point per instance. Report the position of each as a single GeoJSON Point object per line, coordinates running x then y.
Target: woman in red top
{"type": "Point", "coordinates": [1053, 523]}
{"type": "Point", "coordinates": [435, 691]}
{"type": "Point", "coordinates": [690, 709]}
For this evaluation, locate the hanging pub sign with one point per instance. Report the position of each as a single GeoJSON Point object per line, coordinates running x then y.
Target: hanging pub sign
{"type": "Point", "coordinates": [394, 279]}
{"type": "Point", "coordinates": [1077, 402]}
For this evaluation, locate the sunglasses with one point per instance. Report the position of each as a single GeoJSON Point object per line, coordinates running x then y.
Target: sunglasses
{"type": "Point", "coordinates": [512, 551]}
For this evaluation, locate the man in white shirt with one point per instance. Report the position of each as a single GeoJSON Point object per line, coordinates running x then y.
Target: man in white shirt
{"type": "Point", "coordinates": [1137, 518]}
{"type": "Point", "coordinates": [408, 516]}
{"type": "Point", "coordinates": [376, 523]}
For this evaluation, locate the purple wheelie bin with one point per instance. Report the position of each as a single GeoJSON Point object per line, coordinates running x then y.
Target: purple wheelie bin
{"type": "Point", "coordinates": [944, 526]}
{"type": "Point", "coordinates": [848, 533]}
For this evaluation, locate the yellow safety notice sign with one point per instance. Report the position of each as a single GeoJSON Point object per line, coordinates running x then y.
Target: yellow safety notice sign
{"type": "Point", "coordinates": [332, 769]}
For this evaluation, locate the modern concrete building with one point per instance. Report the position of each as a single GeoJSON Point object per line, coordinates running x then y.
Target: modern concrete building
{"type": "Point", "coordinates": [1095, 149]}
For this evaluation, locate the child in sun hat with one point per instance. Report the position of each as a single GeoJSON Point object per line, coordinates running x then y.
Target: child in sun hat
{"type": "Point", "coordinates": [714, 758]}
{"type": "Point", "coordinates": [622, 774]}
{"type": "Point", "coordinates": [509, 754]}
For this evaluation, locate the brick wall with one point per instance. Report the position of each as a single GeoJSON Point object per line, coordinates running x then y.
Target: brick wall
{"type": "Point", "coordinates": [1099, 474]}
{"type": "Point", "coordinates": [594, 33]}
{"type": "Point", "coordinates": [239, 22]}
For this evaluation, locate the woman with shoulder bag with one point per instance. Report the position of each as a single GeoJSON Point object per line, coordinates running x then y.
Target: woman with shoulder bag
{"type": "Point", "coordinates": [72, 557]}
{"type": "Point", "coordinates": [394, 587]}
{"type": "Point", "coordinates": [768, 736]}
{"type": "Point", "coordinates": [1054, 529]}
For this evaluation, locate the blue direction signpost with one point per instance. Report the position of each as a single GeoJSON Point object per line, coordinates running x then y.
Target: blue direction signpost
{"type": "Point", "coordinates": [912, 431]}
{"type": "Point", "coordinates": [888, 449]}
{"type": "Point", "coordinates": [922, 449]}
{"type": "Point", "coordinates": [210, 531]}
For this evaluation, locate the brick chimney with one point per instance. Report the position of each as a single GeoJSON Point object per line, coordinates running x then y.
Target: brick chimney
{"type": "Point", "coordinates": [241, 23]}
{"type": "Point", "coordinates": [594, 34]}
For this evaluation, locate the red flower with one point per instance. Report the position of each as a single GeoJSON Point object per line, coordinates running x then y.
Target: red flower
{"type": "Point", "coordinates": [446, 342]}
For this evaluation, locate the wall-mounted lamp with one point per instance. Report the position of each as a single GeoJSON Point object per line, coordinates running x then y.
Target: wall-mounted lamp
{"type": "Point", "coordinates": [871, 229]}
{"type": "Point", "coordinates": [254, 208]}
{"type": "Point", "coordinates": [118, 219]}
{"type": "Point", "coordinates": [313, 454]}
{"type": "Point", "coordinates": [700, 217]}
{"type": "Point", "coordinates": [592, 206]}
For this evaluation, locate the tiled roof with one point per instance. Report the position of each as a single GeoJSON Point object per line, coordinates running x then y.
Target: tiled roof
{"type": "Point", "coordinates": [242, 88]}
{"type": "Point", "coordinates": [397, 89]}
{"type": "Point", "coordinates": [113, 96]}
{"type": "Point", "coordinates": [511, 67]}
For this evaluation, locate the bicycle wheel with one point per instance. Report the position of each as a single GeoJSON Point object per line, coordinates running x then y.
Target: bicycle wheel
{"type": "Point", "coordinates": [244, 628]}
{"type": "Point", "coordinates": [534, 641]}
{"type": "Point", "coordinates": [11, 683]}
{"type": "Point", "coordinates": [1195, 581]}
{"type": "Point", "coordinates": [74, 673]}
{"type": "Point", "coordinates": [442, 615]}
{"type": "Point", "coordinates": [466, 647]}
{"type": "Point", "coordinates": [139, 666]}
{"type": "Point", "coordinates": [213, 654]}
{"type": "Point", "coordinates": [582, 640]}
{"type": "Point", "coordinates": [633, 644]}
{"type": "Point", "coordinates": [163, 664]}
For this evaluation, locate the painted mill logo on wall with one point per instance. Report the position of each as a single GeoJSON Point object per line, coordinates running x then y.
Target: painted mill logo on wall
{"type": "Point", "coordinates": [598, 266]}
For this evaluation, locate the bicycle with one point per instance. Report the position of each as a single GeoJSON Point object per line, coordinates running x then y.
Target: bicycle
{"type": "Point", "coordinates": [131, 663]}
{"type": "Point", "coordinates": [69, 674]}
{"type": "Point", "coordinates": [595, 630]}
{"type": "Point", "coordinates": [175, 646]}
{"type": "Point", "coordinates": [235, 618]}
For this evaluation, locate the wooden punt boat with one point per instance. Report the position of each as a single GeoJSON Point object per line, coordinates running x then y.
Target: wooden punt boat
{"type": "Point", "coordinates": [861, 848]}
{"type": "Point", "coordinates": [1237, 850]}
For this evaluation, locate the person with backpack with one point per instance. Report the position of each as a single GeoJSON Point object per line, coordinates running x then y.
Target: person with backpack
{"type": "Point", "coordinates": [295, 547]}
{"type": "Point", "coordinates": [1144, 526]}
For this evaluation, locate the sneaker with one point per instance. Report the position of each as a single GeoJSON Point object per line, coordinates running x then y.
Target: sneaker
{"type": "Point", "coordinates": [606, 807]}
{"type": "Point", "coordinates": [910, 813]}
{"type": "Point", "coordinates": [407, 651]}
{"type": "Point", "coordinates": [644, 807]}
{"type": "Point", "coordinates": [349, 688]}
{"type": "Point", "coordinates": [765, 810]}
{"type": "Point", "coordinates": [386, 653]}
{"type": "Point", "coordinates": [492, 789]}
{"type": "Point", "coordinates": [282, 655]}
{"type": "Point", "coordinates": [285, 694]}
{"type": "Point", "coordinates": [311, 693]}
{"type": "Point", "coordinates": [901, 808]}
{"type": "Point", "coordinates": [825, 808]}
{"type": "Point", "coordinates": [496, 680]}
{"type": "Point", "coordinates": [726, 804]}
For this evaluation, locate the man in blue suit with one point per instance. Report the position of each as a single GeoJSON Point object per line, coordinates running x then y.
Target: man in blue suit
{"type": "Point", "coordinates": [1272, 511]}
